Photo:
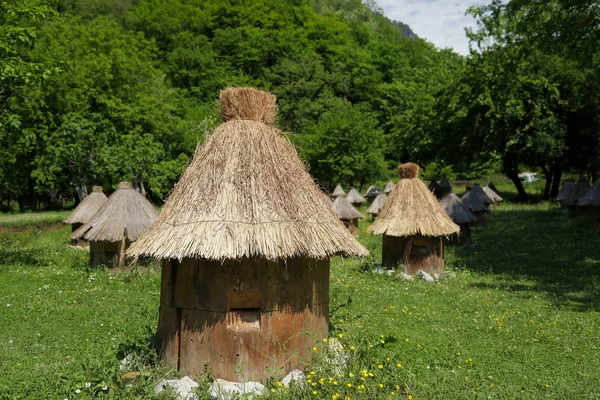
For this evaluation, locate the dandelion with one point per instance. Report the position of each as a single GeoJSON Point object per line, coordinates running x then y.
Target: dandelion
{"type": "Point", "coordinates": [399, 365]}
{"type": "Point", "coordinates": [315, 392]}
{"type": "Point", "coordinates": [314, 348]}
{"type": "Point", "coordinates": [381, 385]}
{"type": "Point", "coordinates": [273, 390]}
{"type": "Point", "coordinates": [407, 340]}
{"type": "Point", "coordinates": [279, 384]}
{"type": "Point", "coordinates": [352, 348]}
{"type": "Point", "coordinates": [349, 385]}
{"type": "Point", "coordinates": [325, 340]}
{"type": "Point", "coordinates": [340, 335]}
{"type": "Point", "coordinates": [350, 374]}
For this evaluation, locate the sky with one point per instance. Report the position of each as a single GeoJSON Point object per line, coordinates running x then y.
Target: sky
{"type": "Point", "coordinates": [441, 22]}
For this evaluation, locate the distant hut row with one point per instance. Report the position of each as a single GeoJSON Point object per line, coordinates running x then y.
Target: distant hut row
{"type": "Point", "coordinates": [581, 200]}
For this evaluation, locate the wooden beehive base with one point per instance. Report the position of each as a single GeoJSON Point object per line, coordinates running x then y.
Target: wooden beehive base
{"type": "Point", "coordinates": [242, 319]}
{"type": "Point", "coordinates": [462, 239]}
{"type": "Point", "coordinates": [426, 253]}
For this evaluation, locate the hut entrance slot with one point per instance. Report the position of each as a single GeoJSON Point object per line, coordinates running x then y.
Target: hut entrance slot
{"type": "Point", "coordinates": [243, 319]}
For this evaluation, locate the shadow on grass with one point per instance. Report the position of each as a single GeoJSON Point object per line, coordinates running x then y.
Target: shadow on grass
{"type": "Point", "coordinates": [538, 250]}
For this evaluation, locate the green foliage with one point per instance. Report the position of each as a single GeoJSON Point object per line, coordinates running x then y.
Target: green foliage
{"type": "Point", "coordinates": [435, 171]}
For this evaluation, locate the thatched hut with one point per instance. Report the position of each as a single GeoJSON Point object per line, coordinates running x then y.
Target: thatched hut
{"type": "Point", "coordinates": [125, 217]}
{"type": "Point", "coordinates": [413, 223]}
{"type": "Point", "coordinates": [85, 211]}
{"type": "Point", "coordinates": [590, 204]}
{"type": "Point", "coordinates": [371, 193]}
{"type": "Point", "coordinates": [495, 197]}
{"type": "Point", "coordinates": [389, 187]}
{"type": "Point", "coordinates": [347, 213]}
{"type": "Point", "coordinates": [434, 187]}
{"type": "Point", "coordinates": [461, 216]}
{"type": "Point", "coordinates": [476, 205]}
{"type": "Point", "coordinates": [338, 191]}
{"type": "Point", "coordinates": [577, 191]}
{"type": "Point", "coordinates": [564, 192]}
{"type": "Point", "coordinates": [245, 240]}
{"type": "Point", "coordinates": [354, 197]}
{"type": "Point", "coordinates": [445, 187]}
{"type": "Point", "coordinates": [377, 205]}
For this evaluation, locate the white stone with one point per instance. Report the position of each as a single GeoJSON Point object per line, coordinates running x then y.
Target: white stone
{"type": "Point", "coordinates": [225, 390]}
{"type": "Point", "coordinates": [379, 270]}
{"type": "Point", "coordinates": [181, 387]}
{"type": "Point", "coordinates": [406, 276]}
{"type": "Point", "coordinates": [425, 276]}
{"type": "Point", "coordinates": [295, 376]}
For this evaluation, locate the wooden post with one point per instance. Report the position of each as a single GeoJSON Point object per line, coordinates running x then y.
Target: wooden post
{"type": "Point", "coordinates": [122, 249]}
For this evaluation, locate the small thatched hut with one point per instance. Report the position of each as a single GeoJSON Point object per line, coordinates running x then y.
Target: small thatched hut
{"type": "Point", "coordinates": [377, 205]}
{"type": "Point", "coordinates": [495, 197]}
{"type": "Point", "coordinates": [590, 204]}
{"type": "Point", "coordinates": [475, 204]}
{"type": "Point", "coordinates": [461, 216]}
{"type": "Point", "coordinates": [245, 240]}
{"type": "Point", "coordinates": [125, 217]}
{"type": "Point", "coordinates": [371, 193]}
{"type": "Point", "coordinates": [354, 197]}
{"type": "Point", "coordinates": [434, 187]}
{"type": "Point", "coordinates": [347, 213]}
{"type": "Point", "coordinates": [85, 211]}
{"type": "Point", "coordinates": [577, 191]}
{"type": "Point", "coordinates": [338, 191]}
{"type": "Point", "coordinates": [389, 187]}
{"type": "Point", "coordinates": [564, 192]}
{"type": "Point", "coordinates": [445, 187]}
{"type": "Point", "coordinates": [413, 223]}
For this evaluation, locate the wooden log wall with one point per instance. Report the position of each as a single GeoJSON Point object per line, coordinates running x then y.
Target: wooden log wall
{"type": "Point", "coordinates": [426, 253]}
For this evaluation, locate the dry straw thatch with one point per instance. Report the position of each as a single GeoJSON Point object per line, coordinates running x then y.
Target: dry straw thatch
{"type": "Point", "coordinates": [495, 197]}
{"type": "Point", "coordinates": [125, 211]}
{"type": "Point", "coordinates": [354, 197]}
{"type": "Point", "coordinates": [564, 192]}
{"type": "Point", "coordinates": [411, 209]}
{"type": "Point", "coordinates": [389, 187]}
{"type": "Point", "coordinates": [377, 204]}
{"type": "Point", "coordinates": [592, 197]}
{"type": "Point", "coordinates": [338, 191]}
{"type": "Point", "coordinates": [344, 210]}
{"type": "Point", "coordinates": [577, 191]}
{"type": "Point", "coordinates": [246, 193]}
{"type": "Point", "coordinates": [88, 207]}
{"type": "Point", "coordinates": [456, 210]}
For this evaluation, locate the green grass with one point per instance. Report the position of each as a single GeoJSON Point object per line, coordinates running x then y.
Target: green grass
{"type": "Point", "coordinates": [25, 219]}
{"type": "Point", "coordinates": [518, 318]}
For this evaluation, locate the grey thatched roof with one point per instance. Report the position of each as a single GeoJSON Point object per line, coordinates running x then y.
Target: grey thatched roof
{"type": "Point", "coordinates": [592, 197]}
{"type": "Point", "coordinates": [495, 197]}
{"type": "Point", "coordinates": [445, 184]}
{"type": "Point", "coordinates": [377, 204]}
{"type": "Point", "coordinates": [372, 191]}
{"type": "Point", "coordinates": [411, 209]}
{"type": "Point", "coordinates": [344, 210]}
{"type": "Point", "coordinates": [88, 207]}
{"type": "Point", "coordinates": [564, 192]}
{"type": "Point", "coordinates": [389, 187]}
{"type": "Point", "coordinates": [477, 190]}
{"type": "Point", "coordinates": [455, 208]}
{"type": "Point", "coordinates": [434, 187]}
{"type": "Point", "coordinates": [125, 211]}
{"type": "Point", "coordinates": [354, 197]}
{"type": "Point", "coordinates": [246, 193]}
{"type": "Point", "coordinates": [338, 191]}
{"type": "Point", "coordinates": [473, 202]}
{"type": "Point", "coordinates": [577, 191]}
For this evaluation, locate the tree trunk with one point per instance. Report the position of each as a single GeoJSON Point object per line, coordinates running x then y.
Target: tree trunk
{"type": "Point", "coordinates": [81, 189]}
{"type": "Point", "coordinates": [556, 179]}
{"type": "Point", "coordinates": [514, 176]}
{"type": "Point", "coordinates": [549, 174]}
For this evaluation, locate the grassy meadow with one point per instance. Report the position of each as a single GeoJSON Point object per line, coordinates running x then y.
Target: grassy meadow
{"type": "Point", "coordinates": [516, 317]}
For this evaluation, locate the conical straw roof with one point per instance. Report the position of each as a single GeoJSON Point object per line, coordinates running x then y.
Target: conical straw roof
{"type": "Point", "coordinates": [473, 202]}
{"type": "Point", "coordinates": [577, 191]}
{"type": "Point", "coordinates": [456, 210]}
{"type": "Point", "coordinates": [125, 211]}
{"type": "Point", "coordinates": [88, 207]}
{"type": "Point", "coordinates": [377, 204]}
{"type": "Point", "coordinates": [564, 192]}
{"type": "Point", "coordinates": [338, 191]}
{"type": "Point", "coordinates": [344, 210]}
{"type": "Point", "coordinates": [246, 193]}
{"type": "Point", "coordinates": [592, 197]}
{"type": "Point", "coordinates": [354, 197]}
{"type": "Point", "coordinates": [371, 191]}
{"type": "Point", "coordinates": [327, 199]}
{"type": "Point", "coordinates": [495, 197]}
{"type": "Point", "coordinates": [389, 187]}
{"type": "Point", "coordinates": [411, 209]}
{"type": "Point", "coordinates": [445, 184]}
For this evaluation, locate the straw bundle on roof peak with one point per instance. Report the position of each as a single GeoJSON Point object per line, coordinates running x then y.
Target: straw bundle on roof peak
{"type": "Point", "coordinates": [125, 211]}
{"type": "Point", "coordinates": [248, 104]}
{"type": "Point", "coordinates": [411, 209]}
{"type": "Point", "coordinates": [246, 193]}
{"type": "Point", "coordinates": [88, 207]}
{"type": "Point", "coordinates": [408, 170]}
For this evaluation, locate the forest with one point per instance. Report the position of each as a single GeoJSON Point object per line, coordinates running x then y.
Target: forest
{"type": "Point", "coordinates": [100, 91]}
